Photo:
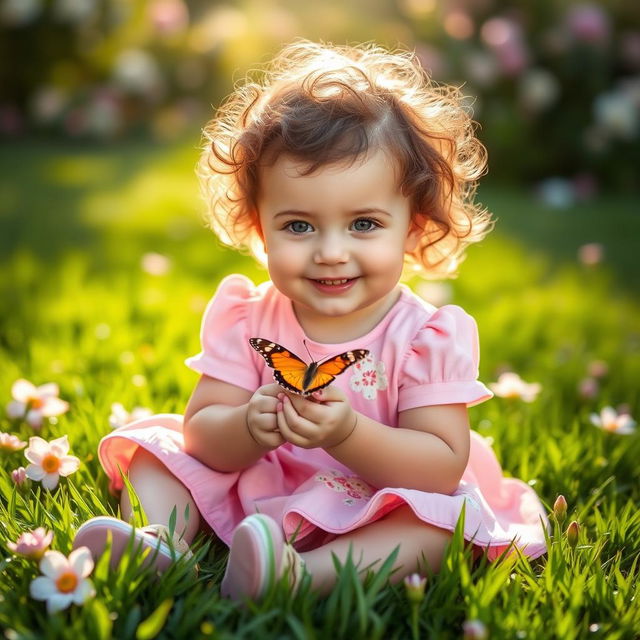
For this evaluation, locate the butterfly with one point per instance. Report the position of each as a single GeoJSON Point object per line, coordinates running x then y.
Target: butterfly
{"type": "Point", "coordinates": [295, 375]}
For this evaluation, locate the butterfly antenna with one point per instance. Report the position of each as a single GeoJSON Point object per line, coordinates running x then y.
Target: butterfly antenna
{"type": "Point", "coordinates": [304, 342]}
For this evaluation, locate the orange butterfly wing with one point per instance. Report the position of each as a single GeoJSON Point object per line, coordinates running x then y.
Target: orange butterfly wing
{"type": "Point", "coordinates": [292, 373]}
{"type": "Point", "coordinates": [289, 370]}
{"type": "Point", "coordinates": [329, 369]}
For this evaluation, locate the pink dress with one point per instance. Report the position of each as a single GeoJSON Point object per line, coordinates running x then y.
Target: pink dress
{"type": "Point", "coordinates": [418, 356]}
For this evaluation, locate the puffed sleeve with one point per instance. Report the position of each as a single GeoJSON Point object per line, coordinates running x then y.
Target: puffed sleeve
{"type": "Point", "coordinates": [224, 335]}
{"type": "Point", "coordinates": [442, 364]}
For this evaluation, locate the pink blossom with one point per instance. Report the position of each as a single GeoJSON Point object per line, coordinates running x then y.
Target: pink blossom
{"type": "Point", "coordinates": [64, 580]}
{"type": "Point", "coordinates": [610, 420]}
{"type": "Point", "coordinates": [511, 385]}
{"type": "Point", "coordinates": [590, 254]}
{"type": "Point", "coordinates": [598, 368]}
{"type": "Point", "coordinates": [168, 17]}
{"type": "Point", "coordinates": [19, 476]}
{"type": "Point", "coordinates": [32, 544]}
{"type": "Point", "coordinates": [35, 403]}
{"type": "Point", "coordinates": [474, 630]}
{"type": "Point", "coordinates": [588, 388]}
{"type": "Point", "coordinates": [505, 39]}
{"type": "Point", "coordinates": [11, 442]}
{"type": "Point", "coordinates": [49, 461]}
{"type": "Point", "coordinates": [588, 23]}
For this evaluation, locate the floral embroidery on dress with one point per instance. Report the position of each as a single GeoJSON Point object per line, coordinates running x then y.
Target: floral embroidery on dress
{"type": "Point", "coordinates": [355, 488]}
{"type": "Point", "coordinates": [368, 377]}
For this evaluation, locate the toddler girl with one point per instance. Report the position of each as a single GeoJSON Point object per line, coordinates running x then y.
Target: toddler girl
{"type": "Point", "coordinates": [340, 167]}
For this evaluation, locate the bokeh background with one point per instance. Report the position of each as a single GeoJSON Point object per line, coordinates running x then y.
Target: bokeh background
{"type": "Point", "coordinates": [101, 108]}
{"type": "Point", "coordinates": [106, 267]}
{"type": "Point", "coordinates": [555, 84]}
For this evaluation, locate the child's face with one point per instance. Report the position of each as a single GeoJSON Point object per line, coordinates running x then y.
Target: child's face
{"type": "Point", "coordinates": [336, 239]}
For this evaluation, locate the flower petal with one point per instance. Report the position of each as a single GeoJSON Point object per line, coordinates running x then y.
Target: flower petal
{"type": "Point", "coordinates": [37, 449]}
{"type": "Point", "coordinates": [596, 420]}
{"type": "Point", "coordinates": [58, 602]}
{"type": "Point", "coordinates": [50, 481]}
{"type": "Point", "coordinates": [83, 592]}
{"type": "Point", "coordinates": [35, 472]}
{"type": "Point", "coordinates": [53, 563]}
{"type": "Point", "coordinates": [625, 420]}
{"type": "Point", "coordinates": [42, 588]}
{"type": "Point", "coordinates": [60, 446]}
{"type": "Point", "coordinates": [81, 561]}
{"type": "Point", "coordinates": [34, 418]}
{"type": "Point", "coordinates": [16, 409]}
{"type": "Point", "coordinates": [48, 389]}
{"type": "Point", "coordinates": [68, 465]}
{"type": "Point", "coordinates": [54, 407]}
{"type": "Point", "coordinates": [22, 390]}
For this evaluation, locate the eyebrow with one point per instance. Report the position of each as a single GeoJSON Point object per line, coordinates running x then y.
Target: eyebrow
{"type": "Point", "coordinates": [363, 211]}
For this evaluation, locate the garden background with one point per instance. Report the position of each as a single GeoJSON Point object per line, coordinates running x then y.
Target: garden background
{"type": "Point", "coordinates": [106, 267]}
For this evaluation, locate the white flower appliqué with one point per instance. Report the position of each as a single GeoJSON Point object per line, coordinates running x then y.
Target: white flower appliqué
{"type": "Point", "coordinates": [368, 377]}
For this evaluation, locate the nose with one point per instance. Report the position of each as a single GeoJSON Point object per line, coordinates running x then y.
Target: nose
{"type": "Point", "coordinates": [331, 248]}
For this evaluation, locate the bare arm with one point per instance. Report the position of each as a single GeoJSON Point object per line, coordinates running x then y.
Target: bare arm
{"type": "Point", "coordinates": [428, 450]}
{"type": "Point", "coordinates": [215, 426]}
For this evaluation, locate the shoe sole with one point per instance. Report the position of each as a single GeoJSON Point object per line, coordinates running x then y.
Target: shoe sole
{"type": "Point", "coordinates": [93, 534]}
{"type": "Point", "coordinates": [256, 552]}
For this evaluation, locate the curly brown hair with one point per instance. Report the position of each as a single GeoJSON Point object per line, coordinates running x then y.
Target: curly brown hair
{"type": "Point", "coordinates": [323, 104]}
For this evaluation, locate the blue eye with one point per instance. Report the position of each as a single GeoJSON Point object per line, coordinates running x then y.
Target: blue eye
{"type": "Point", "coordinates": [364, 224]}
{"type": "Point", "coordinates": [299, 226]}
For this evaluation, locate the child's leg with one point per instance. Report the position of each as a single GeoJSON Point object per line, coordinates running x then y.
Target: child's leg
{"type": "Point", "coordinates": [372, 544]}
{"type": "Point", "coordinates": [159, 492]}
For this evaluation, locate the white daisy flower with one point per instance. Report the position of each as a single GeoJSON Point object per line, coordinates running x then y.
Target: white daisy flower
{"type": "Point", "coordinates": [610, 420]}
{"type": "Point", "coordinates": [49, 461]}
{"type": "Point", "coordinates": [64, 580]}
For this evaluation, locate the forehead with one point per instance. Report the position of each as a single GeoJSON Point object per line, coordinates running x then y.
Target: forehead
{"type": "Point", "coordinates": [373, 174]}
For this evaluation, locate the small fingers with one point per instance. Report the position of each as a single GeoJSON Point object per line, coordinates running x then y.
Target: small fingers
{"type": "Point", "coordinates": [267, 404]}
{"type": "Point", "coordinates": [293, 427]}
{"type": "Point", "coordinates": [304, 407]}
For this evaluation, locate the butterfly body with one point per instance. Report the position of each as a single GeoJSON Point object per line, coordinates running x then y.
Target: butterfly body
{"type": "Point", "coordinates": [292, 373]}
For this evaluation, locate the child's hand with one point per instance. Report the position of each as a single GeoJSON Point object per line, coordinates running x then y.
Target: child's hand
{"type": "Point", "coordinates": [324, 421]}
{"type": "Point", "coordinates": [261, 416]}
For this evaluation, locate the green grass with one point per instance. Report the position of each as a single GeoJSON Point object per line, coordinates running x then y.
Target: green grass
{"type": "Point", "coordinates": [77, 309]}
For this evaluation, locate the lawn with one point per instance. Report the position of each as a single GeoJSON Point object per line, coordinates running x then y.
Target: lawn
{"type": "Point", "coordinates": [78, 308]}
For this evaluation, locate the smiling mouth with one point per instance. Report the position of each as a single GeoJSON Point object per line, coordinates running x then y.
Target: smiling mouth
{"type": "Point", "coordinates": [333, 281]}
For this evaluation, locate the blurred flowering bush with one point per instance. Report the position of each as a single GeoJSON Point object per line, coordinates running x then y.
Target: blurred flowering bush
{"type": "Point", "coordinates": [555, 85]}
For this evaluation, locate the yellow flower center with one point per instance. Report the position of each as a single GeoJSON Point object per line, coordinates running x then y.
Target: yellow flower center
{"type": "Point", "coordinates": [50, 463]}
{"type": "Point", "coordinates": [67, 582]}
{"type": "Point", "coordinates": [35, 402]}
